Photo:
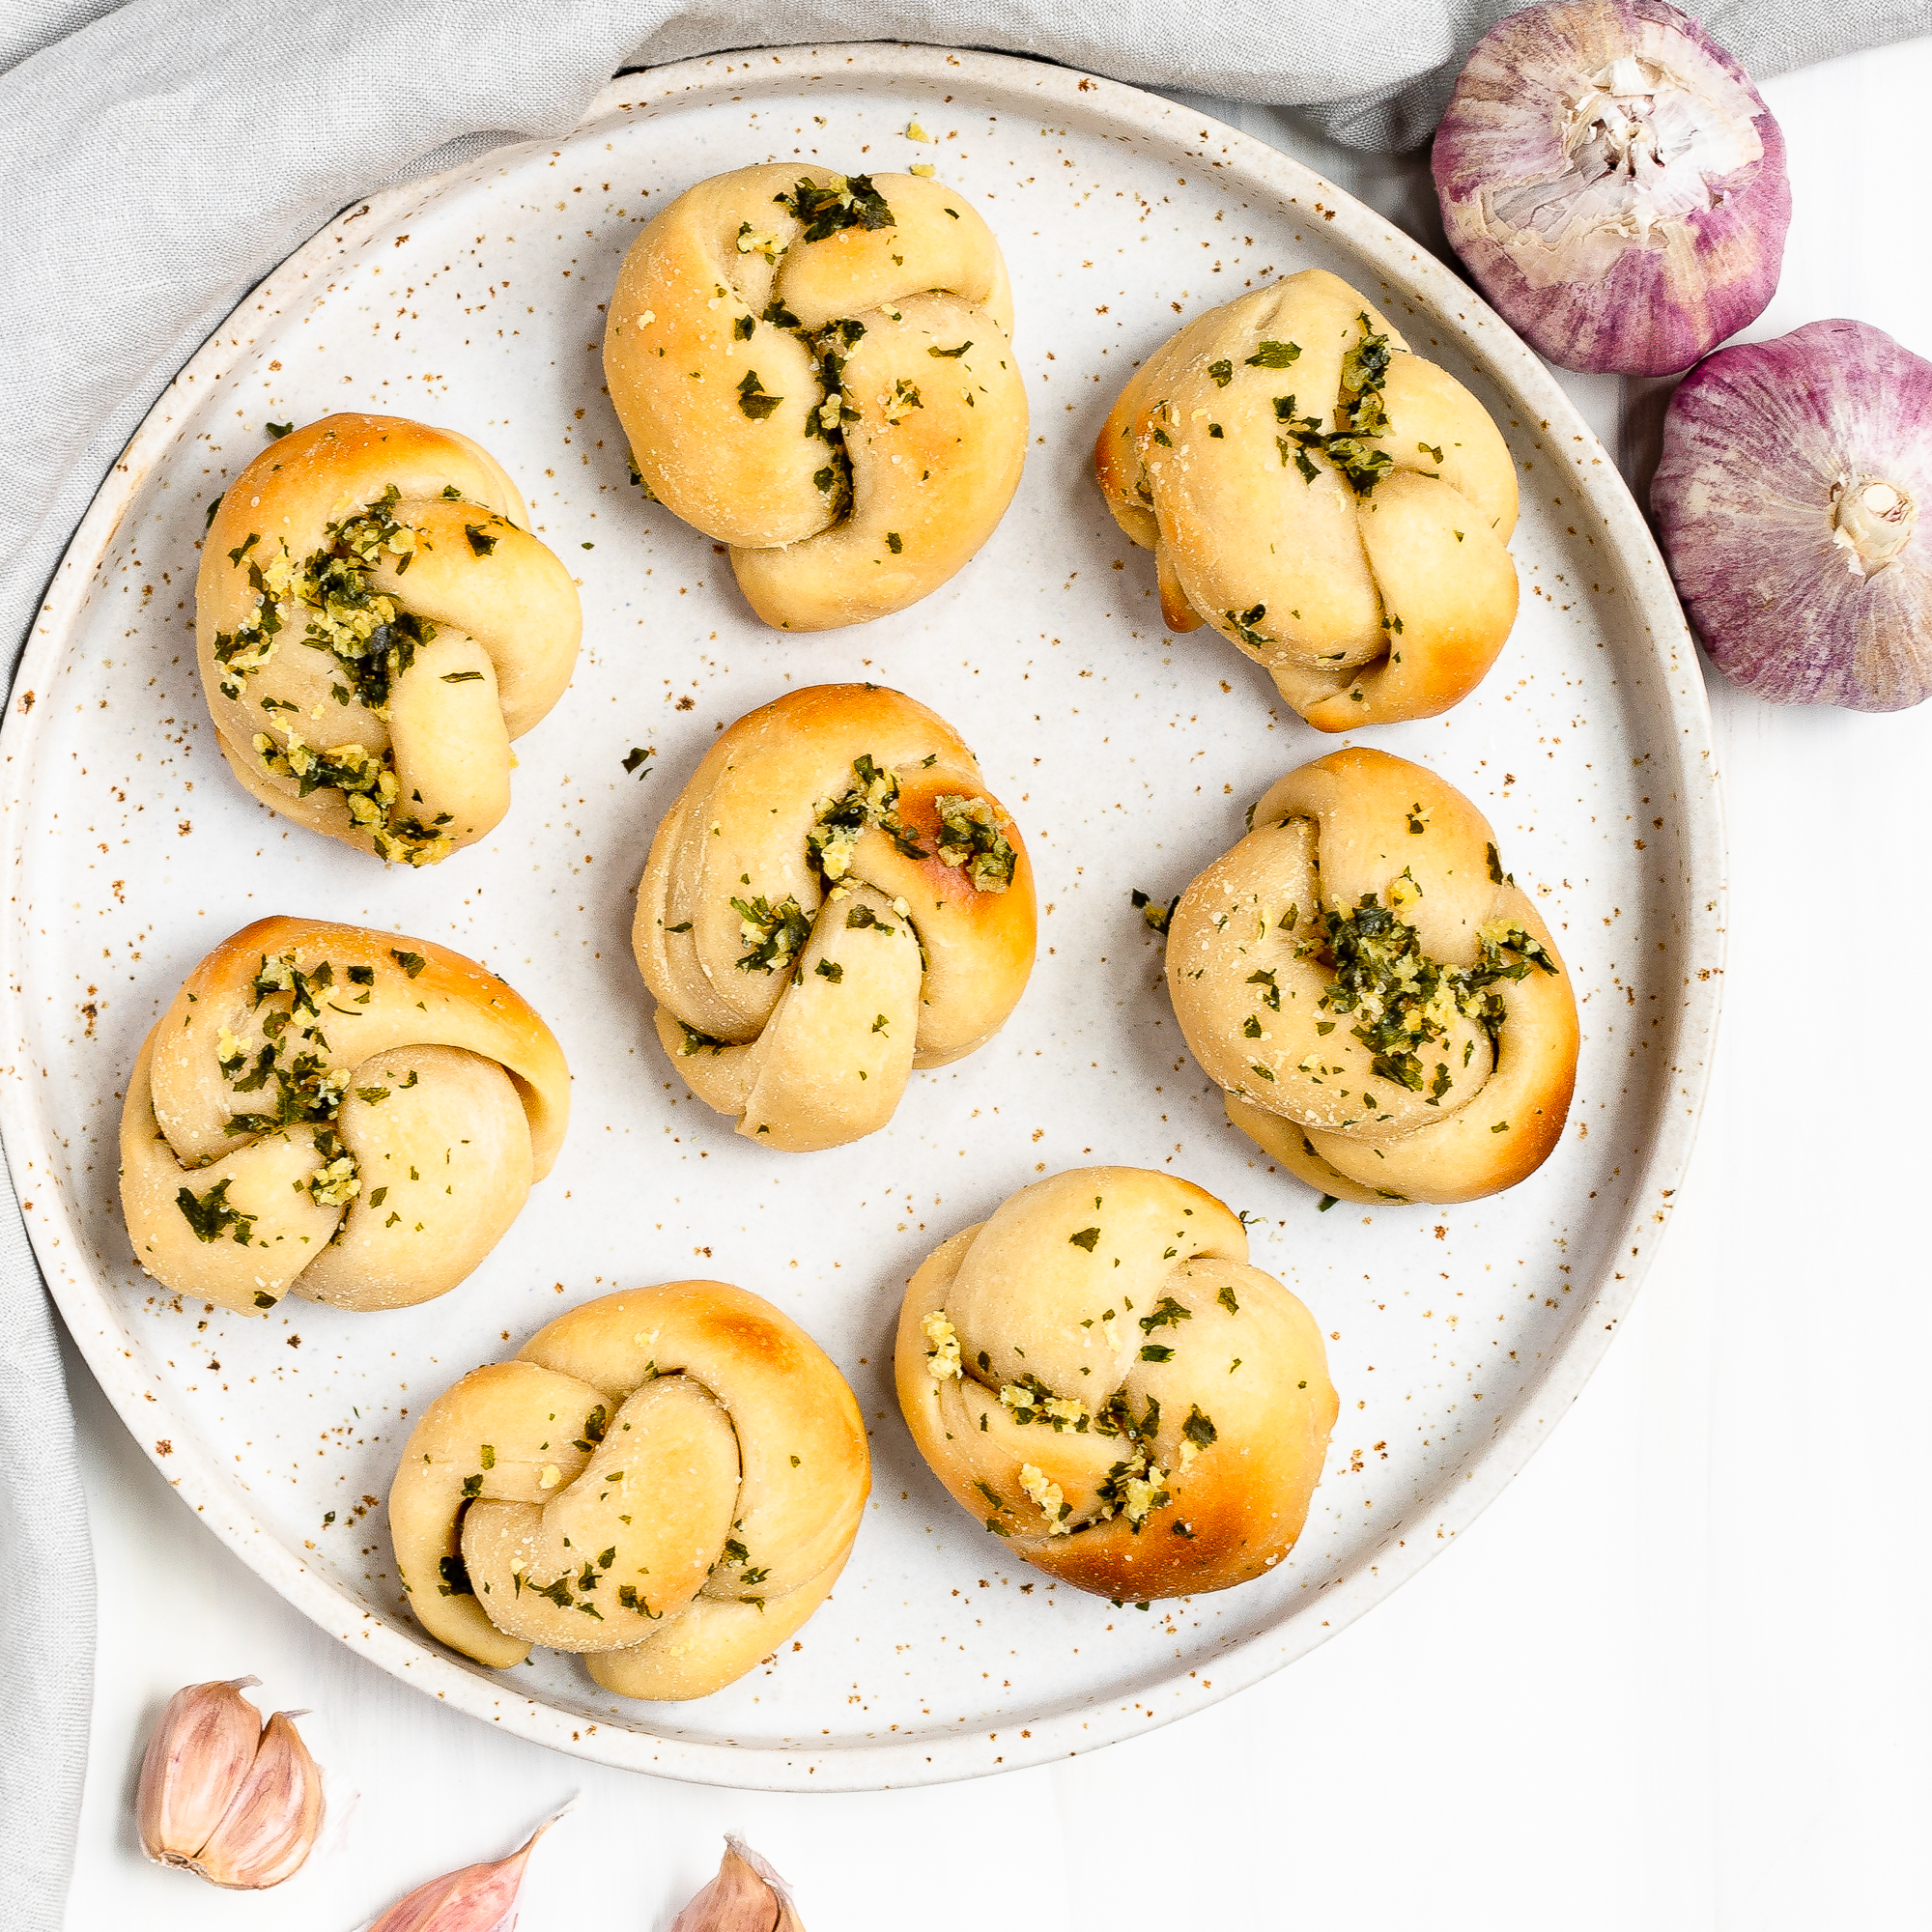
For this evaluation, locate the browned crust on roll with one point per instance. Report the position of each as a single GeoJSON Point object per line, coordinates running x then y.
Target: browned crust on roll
{"type": "Point", "coordinates": [910, 962]}
{"type": "Point", "coordinates": [504, 618]}
{"type": "Point", "coordinates": [1365, 605]}
{"type": "Point", "coordinates": [453, 1046]}
{"type": "Point", "coordinates": [1071, 1287]}
{"type": "Point", "coordinates": [1251, 991]}
{"type": "Point", "coordinates": [711, 357]}
{"type": "Point", "coordinates": [717, 1441]}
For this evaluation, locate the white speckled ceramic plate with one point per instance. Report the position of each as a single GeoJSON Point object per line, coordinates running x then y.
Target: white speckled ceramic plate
{"type": "Point", "coordinates": [1457, 1337]}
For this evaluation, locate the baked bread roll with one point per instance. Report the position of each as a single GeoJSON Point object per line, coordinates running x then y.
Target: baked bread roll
{"type": "Point", "coordinates": [833, 899]}
{"type": "Point", "coordinates": [667, 1480]}
{"type": "Point", "coordinates": [375, 624]}
{"type": "Point", "coordinates": [1323, 497]}
{"type": "Point", "coordinates": [350, 1115]}
{"type": "Point", "coordinates": [818, 371]}
{"type": "Point", "coordinates": [1384, 1009]}
{"type": "Point", "coordinates": [1099, 1376]}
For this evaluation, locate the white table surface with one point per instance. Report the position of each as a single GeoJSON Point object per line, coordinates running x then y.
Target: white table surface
{"type": "Point", "coordinates": [1677, 1677]}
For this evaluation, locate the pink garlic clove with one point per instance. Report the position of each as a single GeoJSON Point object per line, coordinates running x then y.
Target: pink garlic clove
{"type": "Point", "coordinates": [1613, 183]}
{"type": "Point", "coordinates": [1788, 500]}
{"type": "Point", "coordinates": [197, 1756]}
{"type": "Point", "coordinates": [746, 1896]}
{"type": "Point", "coordinates": [224, 1798]}
{"type": "Point", "coordinates": [274, 1818]}
{"type": "Point", "coordinates": [478, 1898]}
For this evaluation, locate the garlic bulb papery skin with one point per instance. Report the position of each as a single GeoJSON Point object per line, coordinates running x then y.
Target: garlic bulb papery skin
{"type": "Point", "coordinates": [225, 1797]}
{"type": "Point", "coordinates": [478, 1898]}
{"type": "Point", "coordinates": [746, 1896]}
{"type": "Point", "coordinates": [1788, 501]}
{"type": "Point", "coordinates": [1614, 185]}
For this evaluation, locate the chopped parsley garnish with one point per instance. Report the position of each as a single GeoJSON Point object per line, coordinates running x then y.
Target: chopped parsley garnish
{"type": "Point", "coordinates": [1086, 1238]}
{"type": "Point", "coordinates": [1158, 917]}
{"type": "Point", "coordinates": [1361, 419]}
{"type": "Point", "coordinates": [1244, 622]}
{"type": "Point", "coordinates": [1274, 356]}
{"type": "Point", "coordinates": [412, 963]}
{"type": "Point", "coordinates": [481, 541]}
{"type": "Point", "coordinates": [211, 1216]}
{"type": "Point", "coordinates": [970, 835]}
{"type": "Point", "coordinates": [1223, 372]}
{"type": "Point", "coordinates": [1402, 999]}
{"type": "Point", "coordinates": [754, 399]}
{"type": "Point", "coordinates": [838, 823]}
{"type": "Point", "coordinates": [773, 934]}
{"type": "Point", "coordinates": [636, 757]}
{"type": "Point", "coordinates": [830, 969]}
{"type": "Point", "coordinates": [846, 201]}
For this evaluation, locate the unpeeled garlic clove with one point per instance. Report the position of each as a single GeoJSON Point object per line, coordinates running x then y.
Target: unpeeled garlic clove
{"type": "Point", "coordinates": [224, 1798]}
{"type": "Point", "coordinates": [746, 1896]}
{"type": "Point", "coordinates": [478, 1898]}
{"type": "Point", "coordinates": [271, 1824]}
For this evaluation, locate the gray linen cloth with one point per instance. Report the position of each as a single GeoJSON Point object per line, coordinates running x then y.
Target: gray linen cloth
{"type": "Point", "coordinates": [157, 158]}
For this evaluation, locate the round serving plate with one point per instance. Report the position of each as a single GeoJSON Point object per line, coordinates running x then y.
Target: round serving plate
{"type": "Point", "coordinates": [475, 300]}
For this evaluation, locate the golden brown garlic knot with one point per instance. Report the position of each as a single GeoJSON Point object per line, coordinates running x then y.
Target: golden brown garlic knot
{"type": "Point", "coordinates": [344, 1115]}
{"type": "Point", "coordinates": [666, 1480]}
{"type": "Point", "coordinates": [1382, 1006]}
{"type": "Point", "coordinates": [1325, 498]}
{"type": "Point", "coordinates": [818, 371]}
{"type": "Point", "coordinates": [833, 899]}
{"type": "Point", "coordinates": [374, 626]}
{"type": "Point", "coordinates": [1099, 1376]}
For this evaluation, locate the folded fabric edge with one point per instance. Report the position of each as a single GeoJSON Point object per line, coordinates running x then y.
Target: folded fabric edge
{"type": "Point", "coordinates": [46, 1585]}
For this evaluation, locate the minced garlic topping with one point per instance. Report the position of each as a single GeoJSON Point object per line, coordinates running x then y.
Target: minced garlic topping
{"type": "Point", "coordinates": [1141, 1495]}
{"type": "Point", "coordinates": [336, 1184]}
{"type": "Point", "coordinates": [1046, 1498]}
{"type": "Point", "coordinates": [1054, 1409]}
{"type": "Point", "coordinates": [942, 1359]}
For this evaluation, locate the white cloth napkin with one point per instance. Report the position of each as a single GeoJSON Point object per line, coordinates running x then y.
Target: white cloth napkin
{"type": "Point", "coordinates": [157, 158]}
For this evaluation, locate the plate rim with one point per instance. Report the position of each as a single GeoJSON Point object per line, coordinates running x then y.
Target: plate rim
{"type": "Point", "coordinates": [1701, 895]}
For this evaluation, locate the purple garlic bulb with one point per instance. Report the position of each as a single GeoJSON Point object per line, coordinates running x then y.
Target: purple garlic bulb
{"type": "Point", "coordinates": [1613, 183]}
{"type": "Point", "coordinates": [1787, 501]}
